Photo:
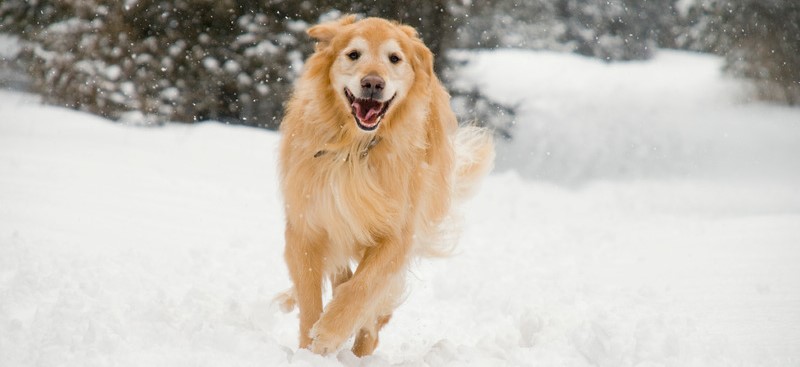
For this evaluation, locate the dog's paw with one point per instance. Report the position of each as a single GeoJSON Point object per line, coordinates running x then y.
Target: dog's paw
{"type": "Point", "coordinates": [324, 342]}
{"type": "Point", "coordinates": [286, 300]}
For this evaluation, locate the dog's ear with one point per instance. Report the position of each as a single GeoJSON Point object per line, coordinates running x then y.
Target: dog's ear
{"type": "Point", "coordinates": [423, 57]}
{"type": "Point", "coordinates": [324, 32]}
{"type": "Point", "coordinates": [409, 31]}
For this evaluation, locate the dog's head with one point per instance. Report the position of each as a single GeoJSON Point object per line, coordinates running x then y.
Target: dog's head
{"type": "Point", "coordinates": [373, 65]}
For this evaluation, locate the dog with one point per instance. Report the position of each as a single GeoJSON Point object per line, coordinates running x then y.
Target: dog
{"type": "Point", "coordinates": [371, 161]}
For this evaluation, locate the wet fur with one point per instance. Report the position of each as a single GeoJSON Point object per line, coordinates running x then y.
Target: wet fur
{"type": "Point", "coordinates": [375, 199]}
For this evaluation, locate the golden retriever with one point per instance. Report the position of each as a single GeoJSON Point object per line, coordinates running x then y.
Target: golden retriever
{"type": "Point", "coordinates": [371, 161]}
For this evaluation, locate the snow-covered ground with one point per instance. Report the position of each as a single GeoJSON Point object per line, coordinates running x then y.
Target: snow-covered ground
{"type": "Point", "coordinates": [645, 215]}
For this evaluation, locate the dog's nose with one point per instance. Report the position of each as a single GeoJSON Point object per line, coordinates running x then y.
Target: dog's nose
{"type": "Point", "coordinates": [372, 85]}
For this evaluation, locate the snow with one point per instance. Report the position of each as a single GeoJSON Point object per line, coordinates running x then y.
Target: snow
{"type": "Point", "coordinates": [210, 63]}
{"type": "Point", "coordinates": [9, 47]}
{"type": "Point", "coordinates": [162, 246]}
{"type": "Point", "coordinates": [170, 94]}
{"type": "Point", "coordinates": [113, 72]}
{"type": "Point", "coordinates": [263, 48]}
{"type": "Point", "coordinates": [581, 118]}
{"type": "Point", "coordinates": [10, 73]}
{"type": "Point", "coordinates": [232, 67]}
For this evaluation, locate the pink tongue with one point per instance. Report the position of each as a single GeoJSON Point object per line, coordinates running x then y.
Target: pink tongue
{"type": "Point", "coordinates": [373, 108]}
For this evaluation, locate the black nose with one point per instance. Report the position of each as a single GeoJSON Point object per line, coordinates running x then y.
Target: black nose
{"type": "Point", "coordinates": [372, 86]}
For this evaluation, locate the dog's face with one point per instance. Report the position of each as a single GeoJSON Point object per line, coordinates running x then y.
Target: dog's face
{"type": "Point", "coordinates": [371, 73]}
{"type": "Point", "coordinates": [373, 65]}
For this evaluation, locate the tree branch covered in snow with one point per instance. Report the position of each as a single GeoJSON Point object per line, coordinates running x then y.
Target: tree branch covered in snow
{"type": "Point", "coordinates": [180, 60]}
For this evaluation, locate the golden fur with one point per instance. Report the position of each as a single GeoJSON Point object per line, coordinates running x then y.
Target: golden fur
{"type": "Point", "coordinates": [373, 198]}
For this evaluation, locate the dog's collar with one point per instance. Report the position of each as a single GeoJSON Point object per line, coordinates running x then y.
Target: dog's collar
{"type": "Point", "coordinates": [372, 144]}
{"type": "Point", "coordinates": [363, 154]}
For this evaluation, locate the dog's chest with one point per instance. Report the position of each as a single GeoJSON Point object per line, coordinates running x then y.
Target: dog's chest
{"type": "Point", "coordinates": [352, 204]}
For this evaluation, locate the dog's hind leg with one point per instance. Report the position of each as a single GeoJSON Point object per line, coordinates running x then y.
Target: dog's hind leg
{"type": "Point", "coordinates": [339, 277]}
{"type": "Point", "coordinates": [304, 259]}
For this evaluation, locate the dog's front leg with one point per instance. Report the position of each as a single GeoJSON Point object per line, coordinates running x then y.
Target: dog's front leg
{"type": "Point", "coordinates": [304, 258]}
{"type": "Point", "coordinates": [357, 300]}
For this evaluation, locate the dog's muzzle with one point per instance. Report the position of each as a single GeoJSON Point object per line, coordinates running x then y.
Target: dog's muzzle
{"type": "Point", "coordinates": [368, 110]}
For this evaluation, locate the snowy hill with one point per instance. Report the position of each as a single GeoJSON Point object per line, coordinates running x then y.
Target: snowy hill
{"type": "Point", "coordinates": [644, 215]}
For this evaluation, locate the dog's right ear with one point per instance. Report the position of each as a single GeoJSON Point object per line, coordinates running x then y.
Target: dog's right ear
{"type": "Point", "coordinates": [325, 32]}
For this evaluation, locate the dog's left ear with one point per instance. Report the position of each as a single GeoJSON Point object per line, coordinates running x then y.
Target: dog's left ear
{"type": "Point", "coordinates": [423, 57]}
{"type": "Point", "coordinates": [325, 32]}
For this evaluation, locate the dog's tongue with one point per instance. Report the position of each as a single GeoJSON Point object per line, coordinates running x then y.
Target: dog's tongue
{"type": "Point", "coordinates": [367, 110]}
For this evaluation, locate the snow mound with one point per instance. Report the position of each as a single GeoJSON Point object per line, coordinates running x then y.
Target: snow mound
{"type": "Point", "coordinates": [673, 116]}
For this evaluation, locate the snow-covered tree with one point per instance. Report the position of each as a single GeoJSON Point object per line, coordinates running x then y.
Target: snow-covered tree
{"type": "Point", "coordinates": [236, 60]}
{"type": "Point", "coordinates": [760, 40]}
{"type": "Point", "coordinates": [515, 24]}
{"type": "Point", "coordinates": [182, 60]}
{"type": "Point", "coordinates": [607, 29]}
{"type": "Point", "coordinates": [189, 60]}
{"type": "Point", "coordinates": [765, 45]}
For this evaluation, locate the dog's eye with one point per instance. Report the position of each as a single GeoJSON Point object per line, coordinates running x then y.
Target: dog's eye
{"type": "Point", "coordinates": [394, 59]}
{"type": "Point", "coordinates": [354, 55]}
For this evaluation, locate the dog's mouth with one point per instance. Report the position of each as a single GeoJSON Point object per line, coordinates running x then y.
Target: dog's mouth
{"type": "Point", "coordinates": [368, 112]}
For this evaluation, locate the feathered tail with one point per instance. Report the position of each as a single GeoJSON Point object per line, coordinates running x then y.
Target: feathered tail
{"type": "Point", "coordinates": [474, 148]}
{"type": "Point", "coordinates": [474, 157]}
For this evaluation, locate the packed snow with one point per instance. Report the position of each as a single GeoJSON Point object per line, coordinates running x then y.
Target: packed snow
{"type": "Point", "coordinates": [645, 214]}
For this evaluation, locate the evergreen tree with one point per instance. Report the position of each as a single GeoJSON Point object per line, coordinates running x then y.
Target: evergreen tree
{"type": "Point", "coordinates": [760, 40]}
{"type": "Point", "coordinates": [189, 60]}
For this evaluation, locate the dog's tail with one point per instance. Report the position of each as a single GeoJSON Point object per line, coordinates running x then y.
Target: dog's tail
{"type": "Point", "coordinates": [474, 157]}
{"type": "Point", "coordinates": [474, 148]}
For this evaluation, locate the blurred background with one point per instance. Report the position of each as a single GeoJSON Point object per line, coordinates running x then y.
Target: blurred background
{"type": "Point", "coordinates": [151, 61]}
